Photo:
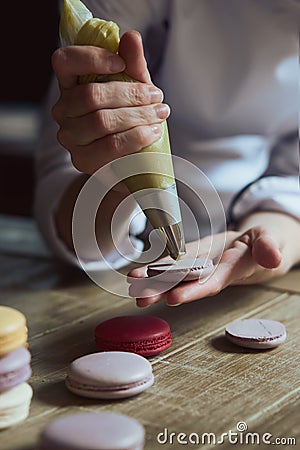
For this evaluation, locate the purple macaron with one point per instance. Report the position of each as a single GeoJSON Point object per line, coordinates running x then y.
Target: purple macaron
{"type": "Point", "coordinates": [93, 431]}
{"type": "Point", "coordinates": [14, 368]}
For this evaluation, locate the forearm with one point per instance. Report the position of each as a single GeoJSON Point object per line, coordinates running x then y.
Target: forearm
{"type": "Point", "coordinates": [284, 226]}
{"type": "Point", "coordinates": [104, 215]}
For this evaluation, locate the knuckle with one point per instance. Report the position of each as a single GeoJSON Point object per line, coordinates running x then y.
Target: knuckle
{"type": "Point", "coordinates": [130, 141]}
{"type": "Point", "coordinates": [59, 58]}
{"type": "Point", "coordinates": [93, 95]}
{"type": "Point", "coordinates": [138, 94]}
{"type": "Point", "coordinates": [142, 137]}
{"type": "Point", "coordinates": [56, 112]}
{"type": "Point", "coordinates": [216, 287]}
{"type": "Point", "coordinates": [94, 60]}
{"type": "Point", "coordinates": [60, 137]}
{"type": "Point", "coordinates": [106, 120]}
{"type": "Point", "coordinates": [146, 136]}
{"type": "Point", "coordinates": [77, 162]}
{"type": "Point", "coordinates": [97, 94]}
{"type": "Point", "coordinates": [116, 143]}
{"type": "Point", "coordinates": [80, 163]}
{"type": "Point", "coordinates": [63, 137]}
{"type": "Point", "coordinates": [217, 290]}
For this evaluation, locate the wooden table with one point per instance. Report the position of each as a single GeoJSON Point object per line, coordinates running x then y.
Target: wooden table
{"type": "Point", "coordinates": [203, 384]}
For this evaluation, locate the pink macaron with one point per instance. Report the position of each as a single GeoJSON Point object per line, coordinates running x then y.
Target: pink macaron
{"type": "Point", "coordinates": [14, 368]}
{"type": "Point", "coordinates": [144, 335]}
{"type": "Point", "coordinates": [109, 375]}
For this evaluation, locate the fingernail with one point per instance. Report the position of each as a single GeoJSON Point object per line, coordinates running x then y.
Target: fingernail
{"type": "Point", "coordinates": [176, 304]}
{"type": "Point", "coordinates": [156, 94]}
{"type": "Point", "coordinates": [136, 32]}
{"type": "Point", "coordinates": [116, 64]}
{"type": "Point", "coordinates": [142, 306]}
{"type": "Point", "coordinates": [162, 111]}
{"type": "Point", "coordinates": [156, 129]}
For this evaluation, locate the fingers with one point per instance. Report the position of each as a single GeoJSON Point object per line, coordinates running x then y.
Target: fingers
{"type": "Point", "coordinates": [102, 122]}
{"type": "Point", "coordinates": [266, 252]}
{"type": "Point", "coordinates": [236, 263]}
{"type": "Point", "coordinates": [70, 62]}
{"type": "Point", "coordinates": [132, 52]}
{"type": "Point", "coordinates": [252, 257]}
{"type": "Point", "coordinates": [193, 291]}
{"type": "Point", "coordinates": [188, 291]}
{"type": "Point", "coordinates": [146, 290]}
{"type": "Point", "coordinates": [264, 246]}
{"type": "Point", "coordinates": [96, 126]}
{"type": "Point", "coordinates": [85, 99]}
{"type": "Point", "coordinates": [139, 272]}
{"type": "Point", "coordinates": [147, 294]}
{"type": "Point", "coordinates": [87, 129]}
{"type": "Point", "coordinates": [90, 158]}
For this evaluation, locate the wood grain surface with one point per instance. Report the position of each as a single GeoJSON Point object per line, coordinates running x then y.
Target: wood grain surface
{"type": "Point", "coordinates": [203, 383]}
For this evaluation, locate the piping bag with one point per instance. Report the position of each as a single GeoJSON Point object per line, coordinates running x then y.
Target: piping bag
{"type": "Point", "coordinates": [149, 175]}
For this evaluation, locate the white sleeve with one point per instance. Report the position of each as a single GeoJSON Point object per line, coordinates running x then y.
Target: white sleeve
{"type": "Point", "coordinates": [278, 189]}
{"type": "Point", "coordinates": [54, 173]}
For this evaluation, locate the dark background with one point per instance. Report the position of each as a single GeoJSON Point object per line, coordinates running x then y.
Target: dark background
{"type": "Point", "coordinates": [28, 36]}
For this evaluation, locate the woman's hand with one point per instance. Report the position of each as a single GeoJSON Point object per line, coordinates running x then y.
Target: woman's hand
{"type": "Point", "coordinates": [267, 249]}
{"type": "Point", "coordinates": [100, 122]}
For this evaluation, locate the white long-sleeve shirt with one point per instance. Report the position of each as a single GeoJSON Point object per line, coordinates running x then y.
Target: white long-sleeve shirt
{"type": "Point", "coordinates": [229, 70]}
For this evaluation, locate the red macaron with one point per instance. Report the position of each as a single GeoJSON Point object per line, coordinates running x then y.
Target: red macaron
{"type": "Point", "coordinates": [144, 335]}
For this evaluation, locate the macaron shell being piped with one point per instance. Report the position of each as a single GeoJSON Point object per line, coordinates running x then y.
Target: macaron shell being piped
{"type": "Point", "coordinates": [186, 269]}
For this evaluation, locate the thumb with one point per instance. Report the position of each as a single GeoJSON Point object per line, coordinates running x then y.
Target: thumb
{"type": "Point", "coordinates": [132, 51]}
{"type": "Point", "coordinates": [266, 249]}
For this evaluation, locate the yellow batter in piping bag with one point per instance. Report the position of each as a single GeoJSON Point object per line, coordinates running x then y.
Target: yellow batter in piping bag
{"type": "Point", "coordinates": [152, 181]}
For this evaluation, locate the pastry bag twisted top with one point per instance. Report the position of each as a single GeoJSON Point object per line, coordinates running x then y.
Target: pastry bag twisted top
{"type": "Point", "coordinates": [149, 173]}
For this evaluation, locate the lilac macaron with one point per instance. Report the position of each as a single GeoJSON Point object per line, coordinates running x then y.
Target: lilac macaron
{"type": "Point", "coordinates": [109, 375]}
{"type": "Point", "coordinates": [14, 368]}
{"type": "Point", "coordinates": [93, 431]}
{"type": "Point", "coordinates": [256, 333]}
